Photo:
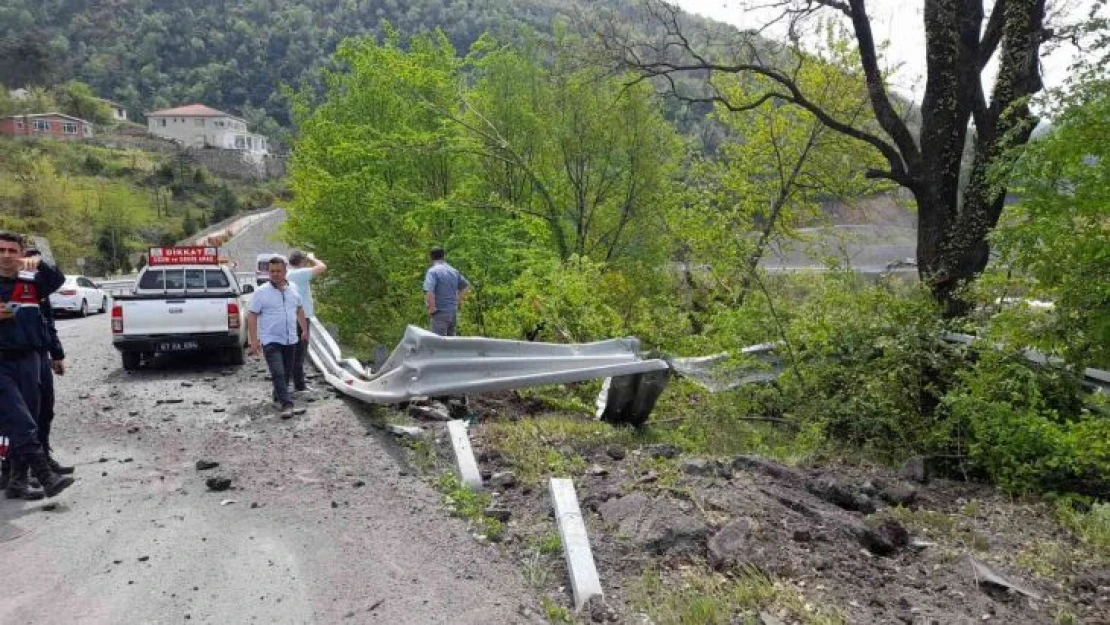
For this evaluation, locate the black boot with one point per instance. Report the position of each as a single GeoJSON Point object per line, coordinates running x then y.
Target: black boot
{"type": "Point", "coordinates": [5, 472]}
{"type": "Point", "coordinates": [18, 487]}
{"type": "Point", "coordinates": [58, 468]}
{"type": "Point", "coordinates": [52, 483]}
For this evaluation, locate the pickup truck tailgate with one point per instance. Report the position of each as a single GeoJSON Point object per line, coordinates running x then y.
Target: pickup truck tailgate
{"type": "Point", "coordinates": [170, 316]}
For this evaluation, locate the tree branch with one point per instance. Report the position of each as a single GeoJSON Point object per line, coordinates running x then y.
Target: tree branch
{"type": "Point", "coordinates": [887, 117]}
{"type": "Point", "coordinates": [993, 33]}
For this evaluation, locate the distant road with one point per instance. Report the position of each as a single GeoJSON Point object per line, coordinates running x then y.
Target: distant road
{"type": "Point", "coordinates": [258, 237]}
{"type": "Point", "coordinates": [868, 249]}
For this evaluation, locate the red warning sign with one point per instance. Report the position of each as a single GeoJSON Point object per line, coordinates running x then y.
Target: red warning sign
{"type": "Point", "coordinates": [184, 255]}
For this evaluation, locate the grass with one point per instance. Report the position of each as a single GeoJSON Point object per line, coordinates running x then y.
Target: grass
{"type": "Point", "coordinates": [695, 421]}
{"type": "Point", "coordinates": [1047, 558]}
{"type": "Point", "coordinates": [1091, 524]}
{"type": "Point", "coordinates": [698, 423]}
{"type": "Point", "coordinates": [937, 526]}
{"type": "Point", "coordinates": [555, 613]}
{"type": "Point", "coordinates": [538, 448]}
{"type": "Point", "coordinates": [702, 597]}
{"type": "Point", "coordinates": [470, 505]}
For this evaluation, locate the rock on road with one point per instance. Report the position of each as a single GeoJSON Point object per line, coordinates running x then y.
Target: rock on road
{"type": "Point", "coordinates": [323, 523]}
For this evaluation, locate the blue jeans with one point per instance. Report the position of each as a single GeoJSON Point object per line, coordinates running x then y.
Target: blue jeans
{"type": "Point", "coordinates": [20, 397]}
{"type": "Point", "coordinates": [280, 359]}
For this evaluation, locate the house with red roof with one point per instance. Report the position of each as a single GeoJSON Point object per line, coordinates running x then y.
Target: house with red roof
{"type": "Point", "coordinates": [200, 126]}
{"type": "Point", "coordinates": [46, 125]}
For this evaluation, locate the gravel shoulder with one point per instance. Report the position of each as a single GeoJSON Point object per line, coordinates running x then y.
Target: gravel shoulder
{"type": "Point", "coordinates": [324, 520]}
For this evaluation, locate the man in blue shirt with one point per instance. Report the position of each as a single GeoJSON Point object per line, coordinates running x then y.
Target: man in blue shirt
{"type": "Point", "coordinates": [275, 325]}
{"type": "Point", "coordinates": [305, 268]}
{"type": "Point", "coordinates": [444, 288]}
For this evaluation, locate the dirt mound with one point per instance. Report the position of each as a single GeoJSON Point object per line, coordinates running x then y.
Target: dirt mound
{"type": "Point", "coordinates": [829, 544]}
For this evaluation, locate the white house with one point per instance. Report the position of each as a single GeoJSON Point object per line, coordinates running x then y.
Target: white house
{"type": "Point", "coordinates": [119, 112]}
{"type": "Point", "coordinates": [197, 125]}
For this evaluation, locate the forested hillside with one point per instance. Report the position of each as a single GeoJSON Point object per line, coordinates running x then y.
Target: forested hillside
{"type": "Point", "coordinates": [150, 54]}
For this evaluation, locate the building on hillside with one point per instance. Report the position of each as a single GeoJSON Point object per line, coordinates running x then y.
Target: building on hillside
{"type": "Point", "coordinates": [46, 125]}
{"type": "Point", "coordinates": [19, 94]}
{"type": "Point", "coordinates": [119, 111]}
{"type": "Point", "coordinates": [200, 126]}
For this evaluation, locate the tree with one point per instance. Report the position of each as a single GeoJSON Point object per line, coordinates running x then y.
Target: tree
{"type": "Point", "coordinates": [27, 59]}
{"type": "Point", "coordinates": [508, 158]}
{"type": "Point", "coordinates": [779, 164]}
{"type": "Point", "coordinates": [572, 147]}
{"type": "Point", "coordinates": [954, 216]}
{"type": "Point", "coordinates": [77, 99]}
{"type": "Point", "coordinates": [225, 203]}
{"type": "Point", "coordinates": [1057, 241]}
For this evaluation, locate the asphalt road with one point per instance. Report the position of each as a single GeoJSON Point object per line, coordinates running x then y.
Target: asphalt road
{"type": "Point", "coordinates": [324, 522]}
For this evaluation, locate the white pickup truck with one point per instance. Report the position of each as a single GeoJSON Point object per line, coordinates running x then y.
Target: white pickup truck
{"type": "Point", "coordinates": [184, 301]}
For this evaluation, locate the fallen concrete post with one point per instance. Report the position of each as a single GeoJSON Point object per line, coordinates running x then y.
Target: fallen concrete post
{"type": "Point", "coordinates": [584, 581]}
{"type": "Point", "coordinates": [464, 455]}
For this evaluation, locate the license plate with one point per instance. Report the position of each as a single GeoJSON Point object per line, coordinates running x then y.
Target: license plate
{"type": "Point", "coordinates": [178, 346]}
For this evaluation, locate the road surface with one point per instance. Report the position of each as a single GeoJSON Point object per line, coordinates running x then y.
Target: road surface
{"type": "Point", "coordinates": [324, 522]}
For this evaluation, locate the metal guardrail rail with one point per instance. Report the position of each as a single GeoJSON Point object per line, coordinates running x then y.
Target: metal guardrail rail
{"type": "Point", "coordinates": [426, 365]}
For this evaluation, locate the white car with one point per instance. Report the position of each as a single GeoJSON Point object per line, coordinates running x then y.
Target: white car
{"type": "Point", "coordinates": [79, 295]}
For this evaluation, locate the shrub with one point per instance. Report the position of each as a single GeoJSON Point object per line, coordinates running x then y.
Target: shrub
{"type": "Point", "coordinates": [1027, 429]}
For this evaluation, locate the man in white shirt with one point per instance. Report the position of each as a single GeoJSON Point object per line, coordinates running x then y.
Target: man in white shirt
{"type": "Point", "coordinates": [305, 267]}
{"type": "Point", "coordinates": [275, 325]}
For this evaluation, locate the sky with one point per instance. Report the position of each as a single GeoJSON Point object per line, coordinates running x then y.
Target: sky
{"type": "Point", "coordinates": [900, 23]}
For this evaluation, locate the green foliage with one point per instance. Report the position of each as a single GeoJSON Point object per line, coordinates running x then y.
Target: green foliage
{"type": "Point", "coordinates": [470, 505]}
{"type": "Point", "coordinates": [533, 197]}
{"type": "Point", "coordinates": [77, 99]}
{"type": "Point", "coordinates": [1090, 521]}
{"type": "Point", "coordinates": [870, 365]}
{"type": "Point", "coordinates": [103, 205]}
{"type": "Point", "coordinates": [235, 56]}
{"type": "Point", "coordinates": [698, 597]}
{"type": "Point", "coordinates": [1027, 429]}
{"type": "Point", "coordinates": [1056, 243]}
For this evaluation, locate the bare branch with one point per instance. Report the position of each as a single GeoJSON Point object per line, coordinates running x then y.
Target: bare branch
{"type": "Point", "coordinates": [880, 101]}
{"type": "Point", "coordinates": [993, 33]}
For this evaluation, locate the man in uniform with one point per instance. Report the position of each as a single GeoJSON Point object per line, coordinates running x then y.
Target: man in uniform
{"type": "Point", "coordinates": [24, 282]}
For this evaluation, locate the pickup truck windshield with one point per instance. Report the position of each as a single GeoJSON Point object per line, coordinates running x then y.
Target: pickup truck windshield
{"type": "Point", "coordinates": [179, 279]}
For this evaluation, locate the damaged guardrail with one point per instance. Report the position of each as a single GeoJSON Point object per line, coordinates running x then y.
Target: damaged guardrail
{"type": "Point", "coordinates": [427, 365]}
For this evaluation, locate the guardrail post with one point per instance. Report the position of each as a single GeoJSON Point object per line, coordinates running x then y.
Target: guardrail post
{"type": "Point", "coordinates": [576, 545]}
{"type": "Point", "coordinates": [464, 455]}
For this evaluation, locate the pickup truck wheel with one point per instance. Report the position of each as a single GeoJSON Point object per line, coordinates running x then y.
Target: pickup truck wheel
{"type": "Point", "coordinates": [237, 355]}
{"type": "Point", "coordinates": [131, 360]}
{"type": "Point", "coordinates": [84, 309]}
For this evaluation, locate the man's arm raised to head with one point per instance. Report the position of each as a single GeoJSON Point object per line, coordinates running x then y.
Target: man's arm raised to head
{"type": "Point", "coordinates": [318, 266]}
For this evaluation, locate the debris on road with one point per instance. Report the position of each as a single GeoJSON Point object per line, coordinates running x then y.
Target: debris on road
{"type": "Point", "coordinates": [218, 484]}
{"type": "Point", "coordinates": [407, 431]}
{"type": "Point", "coordinates": [986, 576]}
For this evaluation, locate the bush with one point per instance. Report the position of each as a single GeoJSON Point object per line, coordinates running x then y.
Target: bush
{"type": "Point", "coordinates": [869, 365]}
{"type": "Point", "coordinates": [1027, 429]}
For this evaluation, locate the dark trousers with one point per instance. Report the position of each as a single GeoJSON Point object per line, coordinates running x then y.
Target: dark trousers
{"type": "Point", "coordinates": [298, 364]}
{"type": "Point", "coordinates": [46, 401]}
{"type": "Point", "coordinates": [20, 400]}
{"type": "Point", "coordinates": [279, 358]}
{"type": "Point", "coordinates": [444, 322]}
